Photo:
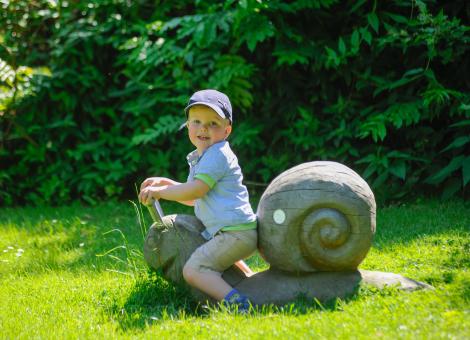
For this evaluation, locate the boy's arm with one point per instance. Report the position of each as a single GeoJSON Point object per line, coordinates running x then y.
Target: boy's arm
{"type": "Point", "coordinates": [157, 181]}
{"type": "Point", "coordinates": [188, 203]}
{"type": "Point", "coordinates": [163, 181]}
{"type": "Point", "coordinates": [183, 192]}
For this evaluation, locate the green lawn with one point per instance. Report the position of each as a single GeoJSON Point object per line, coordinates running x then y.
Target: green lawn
{"type": "Point", "coordinates": [53, 284]}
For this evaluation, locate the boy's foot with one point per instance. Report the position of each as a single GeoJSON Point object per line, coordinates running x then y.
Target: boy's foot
{"type": "Point", "coordinates": [236, 299]}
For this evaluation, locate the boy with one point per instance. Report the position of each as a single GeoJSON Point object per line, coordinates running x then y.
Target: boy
{"type": "Point", "coordinates": [214, 187]}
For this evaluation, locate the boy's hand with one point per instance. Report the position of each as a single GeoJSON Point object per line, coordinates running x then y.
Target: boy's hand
{"type": "Point", "coordinates": [149, 193]}
{"type": "Point", "coordinates": [185, 193]}
{"type": "Point", "coordinates": [156, 182]}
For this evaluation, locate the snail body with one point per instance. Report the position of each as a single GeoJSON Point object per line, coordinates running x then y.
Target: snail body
{"type": "Point", "coordinates": [316, 222]}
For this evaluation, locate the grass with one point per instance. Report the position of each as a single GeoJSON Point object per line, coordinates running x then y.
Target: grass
{"type": "Point", "coordinates": [53, 284]}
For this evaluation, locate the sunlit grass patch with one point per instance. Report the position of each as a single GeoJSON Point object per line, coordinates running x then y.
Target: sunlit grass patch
{"type": "Point", "coordinates": [46, 245]}
{"type": "Point", "coordinates": [61, 277]}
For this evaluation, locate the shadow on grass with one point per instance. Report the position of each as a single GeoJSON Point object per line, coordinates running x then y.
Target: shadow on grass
{"type": "Point", "coordinates": [154, 299]}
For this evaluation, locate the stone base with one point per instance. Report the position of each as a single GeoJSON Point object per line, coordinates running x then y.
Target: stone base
{"type": "Point", "coordinates": [168, 245]}
{"type": "Point", "coordinates": [382, 279]}
{"type": "Point", "coordinates": [279, 288]}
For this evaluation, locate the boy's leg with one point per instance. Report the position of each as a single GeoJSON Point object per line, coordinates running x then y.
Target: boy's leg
{"type": "Point", "coordinates": [210, 283]}
{"type": "Point", "coordinates": [205, 266]}
{"type": "Point", "coordinates": [244, 268]}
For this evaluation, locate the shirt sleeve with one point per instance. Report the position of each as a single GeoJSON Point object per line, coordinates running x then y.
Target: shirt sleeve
{"type": "Point", "coordinates": [211, 167]}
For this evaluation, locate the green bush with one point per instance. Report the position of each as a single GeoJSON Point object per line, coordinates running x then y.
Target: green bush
{"type": "Point", "coordinates": [91, 93]}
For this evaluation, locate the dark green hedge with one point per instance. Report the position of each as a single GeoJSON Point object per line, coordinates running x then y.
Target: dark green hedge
{"type": "Point", "coordinates": [92, 92]}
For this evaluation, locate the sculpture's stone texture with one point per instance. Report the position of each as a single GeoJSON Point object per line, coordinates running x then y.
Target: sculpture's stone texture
{"type": "Point", "coordinates": [279, 287]}
{"type": "Point", "coordinates": [168, 246]}
{"type": "Point", "coordinates": [381, 280]}
{"type": "Point", "coordinates": [329, 219]}
{"type": "Point", "coordinates": [316, 224]}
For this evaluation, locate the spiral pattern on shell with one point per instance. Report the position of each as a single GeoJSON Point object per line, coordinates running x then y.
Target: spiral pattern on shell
{"type": "Point", "coordinates": [317, 216]}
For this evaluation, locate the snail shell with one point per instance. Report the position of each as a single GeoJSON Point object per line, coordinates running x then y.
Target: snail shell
{"type": "Point", "coordinates": [317, 216]}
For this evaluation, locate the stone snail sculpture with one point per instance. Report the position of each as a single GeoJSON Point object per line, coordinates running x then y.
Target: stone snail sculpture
{"type": "Point", "coordinates": [316, 223]}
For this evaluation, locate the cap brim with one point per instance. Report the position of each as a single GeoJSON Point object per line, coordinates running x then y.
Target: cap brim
{"type": "Point", "coordinates": [212, 106]}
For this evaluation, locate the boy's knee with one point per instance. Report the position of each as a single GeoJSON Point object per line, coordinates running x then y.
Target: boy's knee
{"type": "Point", "coordinates": [189, 274]}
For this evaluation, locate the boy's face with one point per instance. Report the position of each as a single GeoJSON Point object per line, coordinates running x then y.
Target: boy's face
{"type": "Point", "coordinates": [206, 127]}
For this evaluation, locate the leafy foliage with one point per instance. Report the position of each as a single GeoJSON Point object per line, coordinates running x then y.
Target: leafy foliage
{"type": "Point", "coordinates": [91, 93]}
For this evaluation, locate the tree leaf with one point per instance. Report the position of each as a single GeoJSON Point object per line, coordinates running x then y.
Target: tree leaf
{"type": "Point", "coordinates": [380, 179]}
{"type": "Point", "coordinates": [465, 122]}
{"type": "Point", "coordinates": [357, 5]}
{"type": "Point", "coordinates": [397, 18]}
{"type": "Point", "coordinates": [373, 21]}
{"type": "Point", "coordinates": [457, 143]}
{"type": "Point", "coordinates": [205, 33]}
{"type": "Point", "coordinates": [255, 29]}
{"type": "Point", "coordinates": [413, 71]}
{"type": "Point", "coordinates": [366, 36]}
{"type": "Point", "coordinates": [398, 169]}
{"type": "Point", "coordinates": [381, 131]}
{"type": "Point", "coordinates": [464, 107]}
{"type": "Point", "coordinates": [355, 40]}
{"type": "Point", "coordinates": [466, 170]}
{"type": "Point", "coordinates": [369, 170]}
{"type": "Point", "coordinates": [442, 174]}
{"type": "Point", "coordinates": [332, 57]}
{"type": "Point", "coordinates": [341, 46]}
{"type": "Point", "coordinates": [451, 187]}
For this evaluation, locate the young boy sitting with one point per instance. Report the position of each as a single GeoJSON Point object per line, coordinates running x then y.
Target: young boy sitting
{"type": "Point", "coordinates": [214, 187]}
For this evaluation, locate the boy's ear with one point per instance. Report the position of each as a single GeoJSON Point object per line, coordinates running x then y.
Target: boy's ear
{"type": "Point", "coordinates": [228, 130]}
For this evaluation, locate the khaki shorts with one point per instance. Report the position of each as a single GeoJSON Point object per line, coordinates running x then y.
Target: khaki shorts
{"type": "Point", "coordinates": [223, 250]}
